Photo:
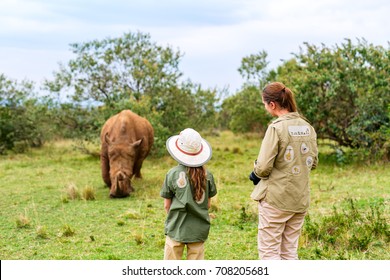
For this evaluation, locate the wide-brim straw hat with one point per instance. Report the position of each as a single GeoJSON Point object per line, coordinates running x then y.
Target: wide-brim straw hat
{"type": "Point", "coordinates": [189, 148]}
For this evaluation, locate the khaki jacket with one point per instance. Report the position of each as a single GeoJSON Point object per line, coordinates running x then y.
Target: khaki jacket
{"type": "Point", "coordinates": [287, 155]}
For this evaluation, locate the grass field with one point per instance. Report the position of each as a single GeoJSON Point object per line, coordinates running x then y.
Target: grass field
{"type": "Point", "coordinates": [54, 205]}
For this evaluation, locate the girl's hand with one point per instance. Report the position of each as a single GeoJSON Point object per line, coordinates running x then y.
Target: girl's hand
{"type": "Point", "coordinates": [167, 204]}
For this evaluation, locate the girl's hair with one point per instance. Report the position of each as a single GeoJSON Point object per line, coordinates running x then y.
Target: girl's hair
{"type": "Point", "coordinates": [279, 93]}
{"type": "Point", "coordinates": [198, 181]}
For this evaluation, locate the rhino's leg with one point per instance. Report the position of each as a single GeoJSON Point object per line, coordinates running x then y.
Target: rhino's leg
{"type": "Point", "coordinates": [105, 165]}
{"type": "Point", "coordinates": [137, 168]}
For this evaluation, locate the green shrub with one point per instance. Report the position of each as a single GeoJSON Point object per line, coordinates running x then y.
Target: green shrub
{"type": "Point", "coordinates": [351, 229]}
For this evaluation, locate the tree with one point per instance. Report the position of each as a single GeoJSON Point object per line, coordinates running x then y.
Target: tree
{"type": "Point", "coordinates": [22, 116]}
{"type": "Point", "coordinates": [112, 69]}
{"type": "Point", "coordinates": [344, 90]}
{"type": "Point", "coordinates": [254, 67]}
{"type": "Point", "coordinates": [244, 111]}
{"type": "Point", "coordinates": [131, 72]}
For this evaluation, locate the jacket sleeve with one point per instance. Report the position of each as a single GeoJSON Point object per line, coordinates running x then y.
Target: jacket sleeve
{"type": "Point", "coordinates": [315, 161]}
{"type": "Point", "coordinates": [166, 190]}
{"type": "Point", "coordinates": [268, 152]}
{"type": "Point", "coordinates": [211, 185]}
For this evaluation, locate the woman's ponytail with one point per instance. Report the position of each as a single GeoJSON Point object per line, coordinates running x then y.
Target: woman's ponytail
{"type": "Point", "coordinates": [279, 93]}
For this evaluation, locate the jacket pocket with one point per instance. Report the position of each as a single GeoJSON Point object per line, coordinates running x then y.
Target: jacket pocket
{"type": "Point", "coordinates": [260, 191]}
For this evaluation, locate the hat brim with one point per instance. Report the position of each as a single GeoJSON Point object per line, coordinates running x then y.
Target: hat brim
{"type": "Point", "coordinates": [187, 159]}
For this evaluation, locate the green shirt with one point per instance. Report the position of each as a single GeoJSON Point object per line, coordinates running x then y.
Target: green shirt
{"type": "Point", "coordinates": [188, 220]}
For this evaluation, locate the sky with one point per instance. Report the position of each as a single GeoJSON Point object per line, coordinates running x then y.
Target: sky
{"type": "Point", "coordinates": [213, 35]}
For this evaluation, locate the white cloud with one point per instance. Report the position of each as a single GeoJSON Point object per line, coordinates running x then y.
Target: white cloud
{"type": "Point", "coordinates": [214, 35]}
{"type": "Point", "coordinates": [33, 65]}
{"type": "Point", "coordinates": [22, 8]}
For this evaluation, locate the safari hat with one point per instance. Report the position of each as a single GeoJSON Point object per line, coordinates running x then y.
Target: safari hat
{"type": "Point", "coordinates": [189, 148]}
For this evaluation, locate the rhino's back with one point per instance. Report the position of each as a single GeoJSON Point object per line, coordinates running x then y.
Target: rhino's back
{"type": "Point", "coordinates": [130, 127]}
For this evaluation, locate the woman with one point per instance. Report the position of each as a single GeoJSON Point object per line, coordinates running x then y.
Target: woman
{"type": "Point", "coordinates": [187, 192]}
{"type": "Point", "coordinates": [281, 174]}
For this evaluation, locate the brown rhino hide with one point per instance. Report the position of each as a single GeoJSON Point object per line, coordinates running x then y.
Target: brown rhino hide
{"type": "Point", "coordinates": [126, 140]}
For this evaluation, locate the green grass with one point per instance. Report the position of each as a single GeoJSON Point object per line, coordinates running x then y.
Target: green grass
{"type": "Point", "coordinates": [54, 206]}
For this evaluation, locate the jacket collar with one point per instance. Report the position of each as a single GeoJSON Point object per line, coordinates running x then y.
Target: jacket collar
{"type": "Point", "coordinates": [288, 116]}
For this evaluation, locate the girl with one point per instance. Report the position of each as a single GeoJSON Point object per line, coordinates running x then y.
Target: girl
{"type": "Point", "coordinates": [281, 174]}
{"type": "Point", "coordinates": [187, 192]}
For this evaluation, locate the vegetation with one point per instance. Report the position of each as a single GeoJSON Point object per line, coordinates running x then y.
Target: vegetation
{"type": "Point", "coordinates": [47, 216]}
{"type": "Point", "coordinates": [353, 229]}
{"type": "Point", "coordinates": [128, 72]}
{"type": "Point", "coordinates": [343, 90]}
{"type": "Point", "coordinates": [54, 204]}
{"type": "Point", "coordinates": [23, 118]}
{"type": "Point", "coordinates": [244, 111]}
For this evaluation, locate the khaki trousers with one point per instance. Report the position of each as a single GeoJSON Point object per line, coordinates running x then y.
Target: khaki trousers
{"type": "Point", "coordinates": [278, 233]}
{"type": "Point", "coordinates": [174, 250]}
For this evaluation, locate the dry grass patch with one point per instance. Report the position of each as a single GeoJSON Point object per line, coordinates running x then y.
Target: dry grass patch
{"type": "Point", "coordinates": [89, 193]}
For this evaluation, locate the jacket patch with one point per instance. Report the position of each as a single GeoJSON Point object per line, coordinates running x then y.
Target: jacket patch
{"type": "Point", "coordinates": [289, 154]}
{"type": "Point", "coordinates": [200, 201]}
{"type": "Point", "coordinates": [296, 170]}
{"type": "Point", "coordinates": [309, 161]}
{"type": "Point", "coordinates": [299, 130]}
{"type": "Point", "coordinates": [181, 182]}
{"type": "Point", "coordinates": [304, 148]}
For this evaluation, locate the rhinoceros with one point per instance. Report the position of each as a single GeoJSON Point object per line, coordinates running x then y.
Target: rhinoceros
{"type": "Point", "coordinates": [126, 140]}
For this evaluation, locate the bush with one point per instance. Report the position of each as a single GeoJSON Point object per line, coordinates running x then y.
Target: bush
{"type": "Point", "coordinates": [344, 91]}
{"type": "Point", "coordinates": [353, 228]}
{"type": "Point", "coordinates": [244, 111]}
{"type": "Point", "coordinates": [24, 120]}
{"type": "Point", "coordinates": [129, 72]}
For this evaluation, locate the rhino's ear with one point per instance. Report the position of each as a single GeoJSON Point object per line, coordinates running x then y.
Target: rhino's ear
{"type": "Point", "coordinates": [107, 139]}
{"type": "Point", "coordinates": [137, 143]}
